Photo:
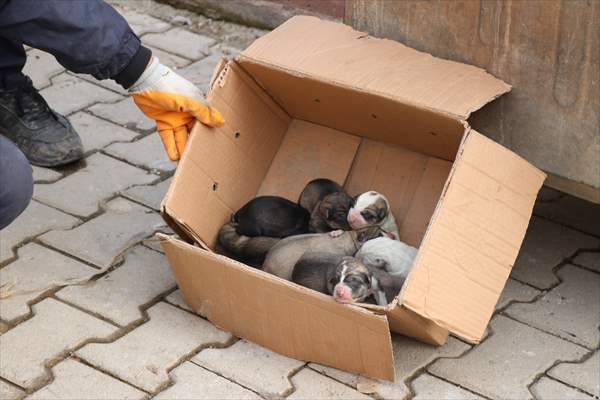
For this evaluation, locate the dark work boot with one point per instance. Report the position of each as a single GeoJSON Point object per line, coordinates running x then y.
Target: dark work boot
{"type": "Point", "coordinates": [46, 138]}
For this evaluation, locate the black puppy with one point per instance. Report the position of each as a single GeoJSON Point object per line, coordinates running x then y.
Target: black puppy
{"type": "Point", "coordinates": [316, 190]}
{"type": "Point", "coordinates": [271, 216]}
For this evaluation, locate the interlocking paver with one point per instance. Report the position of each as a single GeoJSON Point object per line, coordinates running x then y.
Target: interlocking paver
{"type": "Point", "coordinates": [40, 67]}
{"type": "Point", "coordinates": [181, 42]}
{"type": "Point", "coordinates": [125, 113]}
{"type": "Point", "coordinates": [427, 387]}
{"type": "Point", "coordinates": [118, 295]}
{"type": "Point", "coordinates": [176, 299]}
{"type": "Point", "coordinates": [589, 260]}
{"type": "Point", "coordinates": [571, 310]}
{"type": "Point", "coordinates": [149, 195]}
{"type": "Point", "coordinates": [54, 329]}
{"type": "Point", "coordinates": [143, 356]}
{"type": "Point", "coordinates": [252, 366]}
{"type": "Point", "coordinates": [81, 192]}
{"type": "Point", "coordinates": [68, 94]}
{"type": "Point", "coordinates": [97, 133]}
{"type": "Point", "coordinates": [36, 219]}
{"type": "Point", "coordinates": [516, 291]}
{"type": "Point", "coordinates": [568, 210]}
{"type": "Point", "coordinates": [147, 152]}
{"type": "Point", "coordinates": [194, 382]}
{"type": "Point", "coordinates": [37, 270]}
{"type": "Point", "coordinates": [76, 381]}
{"type": "Point", "coordinates": [142, 23]}
{"type": "Point", "coordinates": [507, 361]}
{"type": "Point", "coordinates": [101, 239]}
{"type": "Point", "coordinates": [409, 357]}
{"type": "Point", "coordinates": [549, 389]}
{"type": "Point", "coordinates": [312, 385]}
{"type": "Point", "coordinates": [170, 60]}
{"type": "Point", "coordinates": [45, 174]}
{"type": "Point", "coordinates": [585, 375]}
{"type": "Point", "coordinates": [10, 392]}
{"type": "Point", "coordinates": [200, 72]}
{"type": "Point", "coordinates": [546, 245]}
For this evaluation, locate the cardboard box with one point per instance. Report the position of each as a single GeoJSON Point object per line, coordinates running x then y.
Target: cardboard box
{"type": "Point", "coordinates": [318, 99]}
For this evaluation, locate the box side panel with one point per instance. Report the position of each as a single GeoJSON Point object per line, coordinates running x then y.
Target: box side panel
{"type": "Point", "coordinates": [308, 152]}
{"type": "Point", "coordinates": [474, 238]}
{"type": "Point", "coordinates": [280, 315]}
{"type": "Point", "coordinates": [361, 113]}
{"type": "Point", "coordinates": [411, 181]}
{"type": "Point", "coordinates": [335, 52]}
{"type": "Point", "coordinates": [223, 167]}
{"type": "Point", "coordinates": [408, 323]}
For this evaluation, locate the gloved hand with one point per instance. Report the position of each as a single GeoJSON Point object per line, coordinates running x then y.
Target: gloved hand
{"type": "Point", "coordinates": [174, 103]}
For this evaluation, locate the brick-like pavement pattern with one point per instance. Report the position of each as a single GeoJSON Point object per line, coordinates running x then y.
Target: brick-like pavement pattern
{"type": "Point", "coordinates": [128, 333]}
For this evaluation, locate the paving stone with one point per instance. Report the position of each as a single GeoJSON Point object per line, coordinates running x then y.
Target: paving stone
{"type": "Point", "coordinates": [571, 310]}
{"type": "Point", "coordinates": [589, 260]}
{"type": "Point", "coordinates": [585, 375]}
{"type": "Point", "coordinates": [40, 67]}
{"type": "Point", "coordinates": [10, 392]}
{"type": "Point", "coordinates": [176, 299]}
{"type": "Point", "coordinates": [312, 385]}
{"type": "Point", "coordinates": [507, 361]}
{"type": "Point", "coordinates": [427, 387]}
{"type": "Point", "coordinates": [409, 357]}
{"type": "Point", "coordinates": [549, 389]}
{"type": "Point", "coordinates": [568, 210]}
{"type": "Point", "coordinates": [170, 60]}
{"type": "Point", "coordinates": [69, 94]}
{"type": "Point", "coordinates": [105, 83]}
{"type": "Point", "coordinates": [200, 72]}
{"type": "Point", "coordinates": [36, 271]}
{"type": "Point", "coordinates": [194, 382]}
{"type": "Point", "coordinates": [101, 239]}
{"type": "Point", "coordinates": [97, 133]}
{"type": "Point", "coordinates": [55, 328]}
{"type": "Point", "coordinates": [516, 291]}
{"type": "Point", "coordinates": [142, 23]}
{"type": "Point", "coordinates": [124, 113]}
{"type": "Point", "coordinates": [252, 366]}
{"type": "Point", "coordinates": [149, 195]}
{"type": "Point", "coordinates": [546, 245]}
{"type": "Point", "coordinates": [81, 192]}
{"type": "Point", "coordinates": [118, 295]}
{"type": "Point", "coordinates": [76, 381]}
{"type": "Point", "coordinates": [181, 42]}
{"type": "Point", "coordinates": [147, 152]}
{"type": "Point", "coordinates": [45, 174]}
{"type": "Point", "coordinates": [36, 219]}
{"type": "Point", "coordinates": [143, 356]}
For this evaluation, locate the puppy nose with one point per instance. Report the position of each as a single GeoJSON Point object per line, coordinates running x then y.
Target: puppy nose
{"type": "Point", "coordinates": [343, 292]}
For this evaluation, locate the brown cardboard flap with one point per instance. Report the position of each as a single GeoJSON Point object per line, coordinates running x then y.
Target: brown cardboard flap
{"type": "Point", "coordinates": [280, 315]}
{"type": "Point", "coordinates": [474, 238]}
{"type": "Point", "coordinates": [408, 323]}
{"type": "Point", "coordinates": [334, 52]}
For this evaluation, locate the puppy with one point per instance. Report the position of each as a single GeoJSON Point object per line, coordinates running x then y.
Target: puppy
{"type": "Point", "coordinates": [249, 250]}
{"type": "Point", "coordinates": [283, 256]}
{"type": "Point", "coordinates": [315, 270]}
{"type": "Point", "coordinates": [271, 216]}
{"type": "Point", "coordinates": [372, 208]}
{"type": "Point", "coordinates": [353, 282]}
{"type": "Point", "coordinates": [328, 204]}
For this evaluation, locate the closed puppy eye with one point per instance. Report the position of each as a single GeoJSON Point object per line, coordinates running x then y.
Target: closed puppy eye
{"type": "Point", "coordinates": [368, 216]}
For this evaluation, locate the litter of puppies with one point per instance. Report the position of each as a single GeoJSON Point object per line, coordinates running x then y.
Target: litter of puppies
{"type": "Point", "coordinates": [328, 241]}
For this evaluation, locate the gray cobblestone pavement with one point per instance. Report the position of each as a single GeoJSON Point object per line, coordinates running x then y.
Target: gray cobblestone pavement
{"type": "Point", "coordinates": [127, 334]}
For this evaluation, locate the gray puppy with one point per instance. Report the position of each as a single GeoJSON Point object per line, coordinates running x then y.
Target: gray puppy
{"type": "Point", "coordinates": [246, 249]}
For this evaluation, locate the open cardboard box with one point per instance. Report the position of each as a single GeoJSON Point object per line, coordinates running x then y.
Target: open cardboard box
{"type": "Point", "coordinates": [318, 99]}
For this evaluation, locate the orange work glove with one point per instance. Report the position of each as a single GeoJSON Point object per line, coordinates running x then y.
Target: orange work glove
{"type": "Point", "coordinates": [174, 103]}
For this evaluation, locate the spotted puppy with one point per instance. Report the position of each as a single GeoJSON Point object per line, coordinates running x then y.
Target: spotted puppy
{"type": "Point", "coordinates": [373, 209]}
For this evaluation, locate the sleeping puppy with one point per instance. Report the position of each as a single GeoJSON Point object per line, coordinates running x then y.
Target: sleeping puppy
{"type": "Point", "coordinates": [283, 256]}
{"type": "Point", "coordinates": [246, 249]}
{"type": "Point", "coordinates": [372, 208]}
{"type": "Point", "coordinates": [271, 216]}
{"type": "Point", "coordinates": [328, 204]}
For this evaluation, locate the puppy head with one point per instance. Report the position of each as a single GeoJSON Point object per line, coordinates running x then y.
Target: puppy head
{"type": "Point", "coordinates": [370, 208]}
{"type": "Point", "coordinates": [351, 281]}
{"type": "Point", "coordinates": [334, 208]}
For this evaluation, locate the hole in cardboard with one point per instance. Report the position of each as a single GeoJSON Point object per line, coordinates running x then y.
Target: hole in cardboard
{"type": "Point", "coordinates": [373, 116]}
{"type": "Point", "coordinates": [215, 186]}
{"type": "Point", "coordinates": [237, 135]}
{"type": "Point", "coordinates": [432, 133]}
{"type": "Point", "coordinates": [317, 100]}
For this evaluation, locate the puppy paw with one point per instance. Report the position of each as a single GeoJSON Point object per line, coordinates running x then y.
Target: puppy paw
{"type": "Point", "coordinates": [336, 233]}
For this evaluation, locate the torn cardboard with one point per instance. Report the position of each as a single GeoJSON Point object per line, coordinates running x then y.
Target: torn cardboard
{"type": "Point", "coordinates": [317, 99]}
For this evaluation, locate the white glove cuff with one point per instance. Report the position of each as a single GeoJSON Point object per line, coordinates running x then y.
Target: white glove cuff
{"type": "Point", "coordinates": [153, 72]}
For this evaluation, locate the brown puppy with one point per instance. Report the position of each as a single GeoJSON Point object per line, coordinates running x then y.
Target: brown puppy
{"type": "Point", "coordinates": [328, 205]}
{"type": "Point", "coordinates": [246, 249]}
{"type": "Point", "coordinates": [283, 256]}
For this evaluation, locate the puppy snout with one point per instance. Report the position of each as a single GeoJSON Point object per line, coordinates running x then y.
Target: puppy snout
{"type": "Point", "coordinates": [342, 292]}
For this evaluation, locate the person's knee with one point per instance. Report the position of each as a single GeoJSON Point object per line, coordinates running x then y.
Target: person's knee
{"type": "Point", "coordinates": [16, 182]}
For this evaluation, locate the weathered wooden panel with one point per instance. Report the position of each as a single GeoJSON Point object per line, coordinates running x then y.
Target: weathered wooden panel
{"type": "Point", "coordinates": [548, 50]}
